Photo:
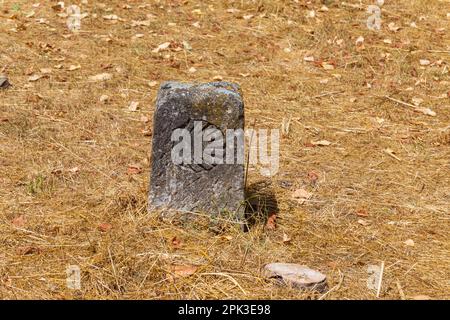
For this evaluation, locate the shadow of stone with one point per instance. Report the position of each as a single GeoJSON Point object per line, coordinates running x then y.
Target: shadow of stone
{"type": "Point", "coordinates": [260, 203]}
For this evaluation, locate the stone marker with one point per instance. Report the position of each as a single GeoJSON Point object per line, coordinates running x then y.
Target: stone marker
{"type": "Point", "coordinates": [186, 173]}
{"type": "Point", "coordinates": [297, 276]}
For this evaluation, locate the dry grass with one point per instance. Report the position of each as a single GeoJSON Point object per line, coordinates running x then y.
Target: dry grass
{"type": "Point", "coordinates": [57, 123]}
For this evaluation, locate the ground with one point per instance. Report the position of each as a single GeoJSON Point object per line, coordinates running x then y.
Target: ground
{"type": "Point", "coordinates": [366, 118]}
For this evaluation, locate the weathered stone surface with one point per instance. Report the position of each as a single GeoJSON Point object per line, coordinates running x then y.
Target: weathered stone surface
{"type": "Point", "coordinates": [196, 187]}
{"type": "Point", "coordinates": [296, 275]}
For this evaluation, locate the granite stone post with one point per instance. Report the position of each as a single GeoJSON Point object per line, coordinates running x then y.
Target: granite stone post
{"type": "Point", "coordinates": [197, 149]}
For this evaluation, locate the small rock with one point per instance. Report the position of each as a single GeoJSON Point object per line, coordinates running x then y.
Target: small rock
{"type": "Point", "coordinates": [297, 276]}
{"type": "Point", "coordinates": [4, 82]}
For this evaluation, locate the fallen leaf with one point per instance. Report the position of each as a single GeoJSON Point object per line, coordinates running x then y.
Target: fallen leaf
{"type": "Point", "coordinates": [29, 250]}
{"type": "Point", "coordinates": [101, 77]}
{"type": "Point", "coordinates": [19, 221]}
{"type": "Point", "coordinates": [178, 271]}
{"type": "Point", "coordinates": [187, 46]}
{"type": "Point", "coordinates": [301, 195]}
{"type": "Point", "coordinates": [271, 223]}
{"type": "Point", "coordinates": [133, 106]}
{"type": "Point", "coordinates": [161, 47]}
{"type": "Point", "coordinates": [104, 227]}
{"type": "Point", "coordinates": [286, 239]}
{"type": "Point", "coordinates": [426, 111]}
{"type": "Point", "coordinates": [226, 237]}
{"type": "Point", "coordinates": [74, 67]}
{"type": "Point", "coordinates": [310, 14]}
{"type": "Point", "coordinates": [111, 17]}
{"type": "Point", "coordinates": [321, 143]}
{"type": "Point", "coordinates": [362, 213]}
{"type": "Point", "coordinates": [393, 27]}
{"type": "Point", "coordinates": [313, 177]}
{"type": "Point", "coordinates": [4, 82]}
{"type": "Point", "coordinates": [134, 169]}
{"type": "Point", "coordinates": [327, 66]}
{"type": "Point", "coordinates": [417, 101]}
{"type": "Point", "coordinates": [360, 41]}
{"type": "Point", "coordinates": [233, 10]}
{"type": "Point", "coordinates": [46, 70]}
{"type": "Point", "coordinates": [34, 78]}
{"type": "Point", "coordinates": [142, 23]}
{"type": "Point", "coordinates": [104, 98]}
{"type": "Point", "coordinates": [363, 222]}
{"type": "Point", "coordinates": [58, 7]}
{"type": "Point", "coordinates": [176, 242]}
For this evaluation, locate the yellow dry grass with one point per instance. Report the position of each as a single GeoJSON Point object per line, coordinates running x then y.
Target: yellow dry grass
{"type": "Point", "coordinates": [68, 197]}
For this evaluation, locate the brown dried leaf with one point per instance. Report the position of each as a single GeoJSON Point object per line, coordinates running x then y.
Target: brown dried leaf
{"type": "Point", "coordinates": [313, 177]}
{"type": "Point", "coordinates": [19, 221]}
{"type": "Point", "coordinates": [134, 169]}
{"type": "Point", "coordinates": [104, 227]}
{"type": "Point", "coordinates": [29, 250]}
{"type": "Point", "coordinates": [362, 213]}
{"type": "Point", "coordinates": [178, 271]}
{"type": "Point", "coordinates": [271, 223]}
{"type": "Point", "coordinates": [301, 195]}
{"type": "Point", "coordinates": [176, 242]}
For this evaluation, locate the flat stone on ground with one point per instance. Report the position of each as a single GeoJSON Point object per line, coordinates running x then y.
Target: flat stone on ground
{"type": "Point", "coordinates": [296, 275]}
